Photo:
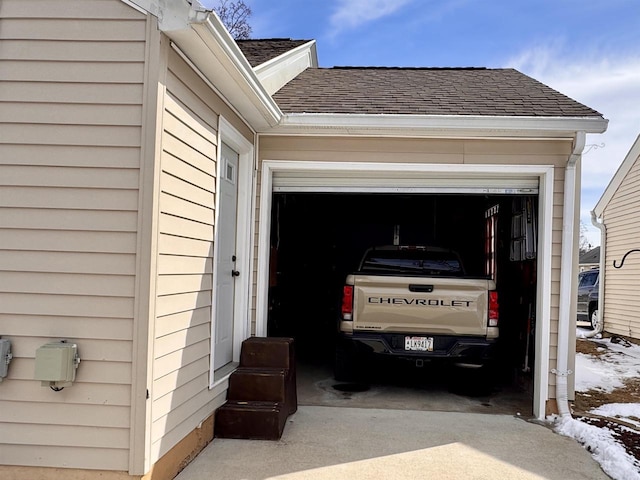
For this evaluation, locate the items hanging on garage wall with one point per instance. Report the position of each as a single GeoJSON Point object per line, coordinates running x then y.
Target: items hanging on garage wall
{"type": "Point", "coordinates": [491, 241]}
{"type": "Point", "coordinates": [523, 229]}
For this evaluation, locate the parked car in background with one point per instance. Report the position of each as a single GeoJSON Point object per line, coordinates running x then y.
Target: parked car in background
{"type": "Point", "coordinates": [588, 286]}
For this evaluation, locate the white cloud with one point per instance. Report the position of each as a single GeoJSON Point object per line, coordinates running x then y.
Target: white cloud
{"type": "Point", "coordinates": [353, 13]}
{"type": "Point", "coordinates": [606, 82]}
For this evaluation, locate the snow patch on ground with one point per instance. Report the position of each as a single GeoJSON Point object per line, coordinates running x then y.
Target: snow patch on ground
{"type": "Point", "coordinates": [611, 456]}
{"type": "Point", "coordinates": [629, 412]}
{"type": "Point", "coordinates": [593, 374]}
{"type": "Point", "coordinates": [606, 372]}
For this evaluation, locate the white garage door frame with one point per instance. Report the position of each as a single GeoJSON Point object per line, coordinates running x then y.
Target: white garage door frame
{"type": "Point", "coordinates": [543, 173]}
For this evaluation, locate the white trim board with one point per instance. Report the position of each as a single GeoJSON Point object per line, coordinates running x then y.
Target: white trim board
{"type": "Point", "coordinates": [544, 174]}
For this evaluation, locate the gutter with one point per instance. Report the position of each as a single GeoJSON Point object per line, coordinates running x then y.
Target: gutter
{"type": "Point", "coordinates": [567, 278]}
{"type": "Point", "coordinates": [440, 125]}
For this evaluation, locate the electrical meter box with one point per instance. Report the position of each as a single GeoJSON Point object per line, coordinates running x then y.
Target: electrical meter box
{"type": "Point", "coordinates": [56, 364]}
{"type": "Point", "coordinates": [5, 357]}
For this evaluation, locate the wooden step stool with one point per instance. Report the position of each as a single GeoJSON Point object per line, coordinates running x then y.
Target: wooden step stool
{"type": "Point", "coordinates": [262, 391]}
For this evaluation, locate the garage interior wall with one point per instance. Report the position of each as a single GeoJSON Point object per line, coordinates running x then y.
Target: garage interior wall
{"type": "Point", "coordinates": [439, 151]}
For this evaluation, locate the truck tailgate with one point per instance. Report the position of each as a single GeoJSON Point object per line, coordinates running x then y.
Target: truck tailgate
{"type": "Point", "coordinates": [438, 306]}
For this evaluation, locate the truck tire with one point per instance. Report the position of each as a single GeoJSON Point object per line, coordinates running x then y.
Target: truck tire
{"type": "Point", "coordinates": [594, 318]}
{"type": "Point", "coordinates": [345, 366]}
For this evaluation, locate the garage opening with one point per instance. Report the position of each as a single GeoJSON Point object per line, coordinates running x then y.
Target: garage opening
{"type": "Point", "coordinates": [317, 239]}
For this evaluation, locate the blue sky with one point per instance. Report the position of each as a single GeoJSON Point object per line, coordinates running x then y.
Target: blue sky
{"type": "Point", "coordinates": [586, 49]}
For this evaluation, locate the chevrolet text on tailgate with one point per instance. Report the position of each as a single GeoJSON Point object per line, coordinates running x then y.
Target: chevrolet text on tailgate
{"type": "Point", "coordinates": [415, 303]}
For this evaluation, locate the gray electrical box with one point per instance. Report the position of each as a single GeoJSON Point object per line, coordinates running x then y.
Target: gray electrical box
{"type": "Point", "coordinates": [5, 357]}
{"type": "Point", "coordinates": [56, 364]}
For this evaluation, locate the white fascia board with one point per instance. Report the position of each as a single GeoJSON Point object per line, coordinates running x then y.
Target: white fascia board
{"type": "Point", "coordinates": [279, 71]}
{"type": "Point", "coordinates": [616, 181]}
{"type": "Point", "coordinates": [203, 39]}
{"type": "Point", "coordinates": [435, 125]}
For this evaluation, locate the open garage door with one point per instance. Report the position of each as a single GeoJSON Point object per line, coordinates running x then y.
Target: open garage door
{"type": "Point", "coordinates": [318, 239]}
{"type": "Point", "coordinates": [318, 222]}
{"type": "Point", "coordinates": [403, 182]}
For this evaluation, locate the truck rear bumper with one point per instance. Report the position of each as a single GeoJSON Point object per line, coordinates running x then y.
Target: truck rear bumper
{"type": "Point", "coordinates": [469, 350]}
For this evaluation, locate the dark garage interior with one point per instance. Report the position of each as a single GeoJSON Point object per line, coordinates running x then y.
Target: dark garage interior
{"type": "Point", "coordinates": [317, 239]}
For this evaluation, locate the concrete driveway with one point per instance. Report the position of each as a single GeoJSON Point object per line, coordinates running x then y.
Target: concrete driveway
{"type": "Point", "coordinates": [322, 442]}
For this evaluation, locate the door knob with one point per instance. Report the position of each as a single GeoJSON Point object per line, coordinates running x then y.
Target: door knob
{"type": "Point", "coordinates": [235, 273]}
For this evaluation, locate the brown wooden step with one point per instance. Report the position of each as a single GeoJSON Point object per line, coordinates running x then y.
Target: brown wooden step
{"type": "Point", "coordinates": [267, 352]}
{"type": "Point", "coordinates": [259, 384]}
{"type": "Point", "coordinates": [250, 420]}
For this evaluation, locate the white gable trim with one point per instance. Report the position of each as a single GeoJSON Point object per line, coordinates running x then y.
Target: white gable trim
{"type": "Point", "coordinates": [277, 72]}
{"type": "Point", "coordinates": [618, 178]}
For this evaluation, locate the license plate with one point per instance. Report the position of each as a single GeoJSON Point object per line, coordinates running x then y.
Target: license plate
{"type": "Point", "coordinates": [418, 344]}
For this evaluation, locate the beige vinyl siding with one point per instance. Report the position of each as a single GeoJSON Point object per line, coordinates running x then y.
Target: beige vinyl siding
{"type": "Point", "coordinates": [182, 345]}
{"type": "Point", "coordinates": [453, 151]}
{"type": "Point", "coordinates": [71, 75]}
{"type": "Point", "coordinates": [556, 267]}
{"type": "Point", "coordinates": [622, 219]}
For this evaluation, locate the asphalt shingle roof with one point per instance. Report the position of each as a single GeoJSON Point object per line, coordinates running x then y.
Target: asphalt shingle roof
{"type": "Point", "coordinates": [260, 51]}
{"type": "Point", "coordinates": [592, 256]}
{"type": "Point", "coordinates": [425, 91]}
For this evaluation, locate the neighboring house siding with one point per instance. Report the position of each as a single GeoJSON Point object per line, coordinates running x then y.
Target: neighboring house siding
{"type": "Point", "coordinates": [71, 89]}
{"type": "Point", "coordinates": [182, 344]}
{"type": "Point", "coordinates": [622, 303]}
{"type": "Point", "coordinates": [508, 152]}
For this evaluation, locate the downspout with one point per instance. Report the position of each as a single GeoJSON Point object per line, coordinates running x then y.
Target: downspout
{"type": "Point", "coordinates": [567, 279]}
{"type": "Point", "coordinates": [603, 245]}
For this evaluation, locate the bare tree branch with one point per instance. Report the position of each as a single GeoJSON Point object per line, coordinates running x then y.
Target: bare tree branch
{"type": "Point", "coordinates": [235, 16]}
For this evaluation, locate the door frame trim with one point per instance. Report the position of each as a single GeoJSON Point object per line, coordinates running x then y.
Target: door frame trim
{"type": "Point", "coordinates": [228, 134]}
{"type": "Point", "coordinates": [545, 174]}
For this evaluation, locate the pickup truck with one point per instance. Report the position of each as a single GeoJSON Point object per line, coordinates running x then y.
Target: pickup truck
{"type": "Point", "coordinates": [415, 303]}
{"type": "Point", "coordinates": [587, 310]}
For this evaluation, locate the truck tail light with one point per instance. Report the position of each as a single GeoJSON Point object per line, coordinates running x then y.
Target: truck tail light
{"type": "Point", "coordinates": [347, 303]}
{"type": "Point", "coordinates": [493, 308]}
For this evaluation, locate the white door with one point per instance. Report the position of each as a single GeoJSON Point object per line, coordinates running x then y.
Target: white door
{"type": "Point", "coordinates": [224, 293]}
